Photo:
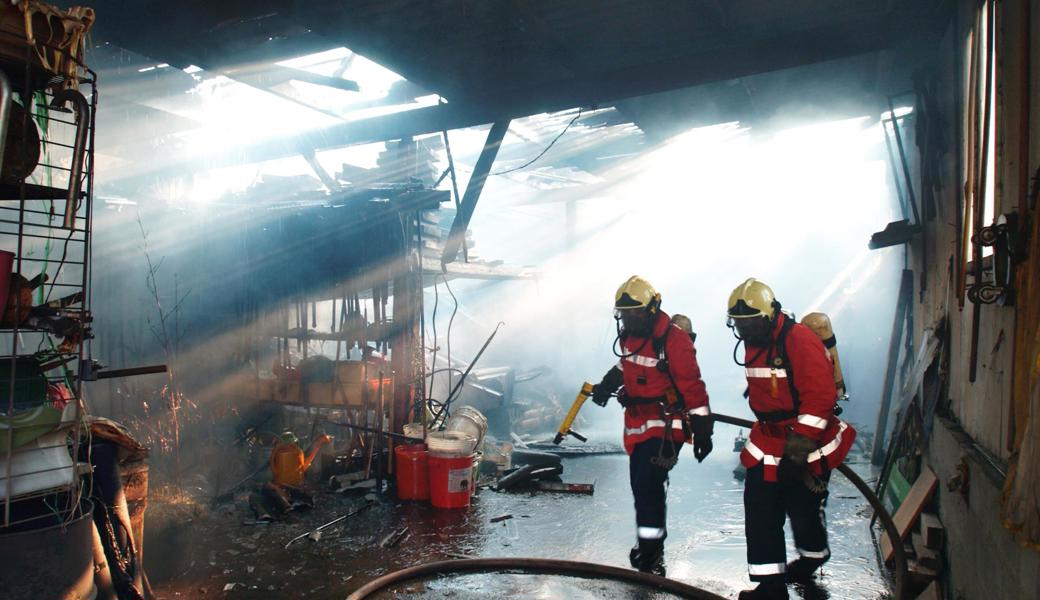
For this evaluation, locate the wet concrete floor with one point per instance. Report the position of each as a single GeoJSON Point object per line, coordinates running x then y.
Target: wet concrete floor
{"type": "Point", "coordinates": [212, 554]}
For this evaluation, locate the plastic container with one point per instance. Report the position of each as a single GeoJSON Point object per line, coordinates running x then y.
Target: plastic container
{"type": "Point", "coordinates": [56, 561]}
{"type": "Point", "coordinates": [452, 443]}
{"type": "Point", "coordinates": [42, 464]}
{"type": "Point", "coordinates": [470, 421]}
{"type": "Point", "coordinates": [451, 480]}
{"type": "Point", "coordinates": [287, 464]}
{"type": "Point", "coordinates": [412, 472]}
{"type": "Point", "coordinates": [501, 456]}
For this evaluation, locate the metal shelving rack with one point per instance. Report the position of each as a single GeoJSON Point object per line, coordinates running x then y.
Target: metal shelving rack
{"type": "Point", "coordinates": [45, 222]}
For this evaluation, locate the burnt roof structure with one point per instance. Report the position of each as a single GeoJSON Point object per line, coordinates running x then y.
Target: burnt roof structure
{"type": "Point", "coordinates": [495, 59]}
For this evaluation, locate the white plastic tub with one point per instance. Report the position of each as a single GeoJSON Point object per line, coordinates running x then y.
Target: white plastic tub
{"type": "Point", "coordinates": [42, 464]}
{"type": "Point", "coordinates": [450, 443]}
{"type": "Point", "coordinates": [469, 421]}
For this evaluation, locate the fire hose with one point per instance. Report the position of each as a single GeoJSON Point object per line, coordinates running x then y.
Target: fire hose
{"type": "Point", "coordinates": [583, 569]}
{"type": "Point", "coordinates": [546, 566]}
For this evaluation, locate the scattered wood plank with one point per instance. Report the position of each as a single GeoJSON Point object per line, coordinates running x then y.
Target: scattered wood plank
{"type": "Point", "coordinates": [567, 488]}
{"type": "Point", "coordinates": [932, 592]}
{"type": "Point", "coordinates": [910, 509]}
{"type": "Point", "coordinates": [925, 556]}
{"type": "Point", "coordinates": [394, 538]}
{"type": "Point", "coordinates": [932, 530]}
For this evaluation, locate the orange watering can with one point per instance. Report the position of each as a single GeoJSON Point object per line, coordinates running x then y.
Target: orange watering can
{"type": "Point", "coordinates": [288, 463]}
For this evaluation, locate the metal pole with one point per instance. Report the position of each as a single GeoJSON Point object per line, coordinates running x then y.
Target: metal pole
{"type": "Point", "coordinates": [378, 442]}
{"type": "Point", "coordinates": [902, 159]}
{"type": "Point", "coordinates": [5, 111]}
{"type": "Point", "coordinates": [902, 305]}
{"type": "Point", "coordinates": [17, 309]}
{"type": "Point", "coordinates": [895, 176]}
{"type": "Point", "coordinates": [82, 110]}
{"type": "Point", "coordinates": [980, 195]}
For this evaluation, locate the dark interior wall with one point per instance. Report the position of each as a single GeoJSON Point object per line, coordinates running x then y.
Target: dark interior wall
{"type": "Point", "coordinates": [982, 437]}
{"type": "Point", "coordinates": [984, 560]}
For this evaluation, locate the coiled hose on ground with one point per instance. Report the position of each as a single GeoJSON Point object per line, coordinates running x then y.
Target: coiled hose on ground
{"type": "Point", "coordinates": [549, 566]}
{"type": "Point", "coordinates": [583, 569]}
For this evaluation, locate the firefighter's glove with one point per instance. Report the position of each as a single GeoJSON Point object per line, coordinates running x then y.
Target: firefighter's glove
{"type": "Point", "coordinates": [797, 448]}
{"type": "Point", "coordinates": [610, 383]}
{"type": "Point", "coordinates": [600, 395]}
{"type": "Point", "coordinates": [702, 428]}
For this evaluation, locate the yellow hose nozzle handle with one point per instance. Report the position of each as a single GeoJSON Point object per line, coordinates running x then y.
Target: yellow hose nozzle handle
{"type": "Point", "coordinates": [565, 427]}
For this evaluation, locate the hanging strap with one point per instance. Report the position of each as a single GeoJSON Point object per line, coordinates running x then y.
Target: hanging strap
{"type": "Point", "coordinates": [785, 361]}
{"type": "Point", "coordinates": [660, 344]}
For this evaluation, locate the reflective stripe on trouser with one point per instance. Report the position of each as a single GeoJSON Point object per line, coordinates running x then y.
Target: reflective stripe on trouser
{"type": "Point", "coordinates": [766, 506]}
{"type": "Point", "coordinates": [649, 491]}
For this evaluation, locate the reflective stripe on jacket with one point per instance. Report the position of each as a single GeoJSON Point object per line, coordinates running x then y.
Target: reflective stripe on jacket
{"type": "Point", "coordinates": [642, 379]}
{"type": "Point", "coordinates": [811, 374]}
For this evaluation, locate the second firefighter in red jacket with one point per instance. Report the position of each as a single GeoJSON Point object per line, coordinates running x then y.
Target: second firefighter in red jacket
{"type": "Point", "coordinates": [793, 446]}
{"type": "Point", "coordinates": [664, 398]}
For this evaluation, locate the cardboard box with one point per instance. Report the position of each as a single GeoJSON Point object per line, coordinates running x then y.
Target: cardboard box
{"type": "Point", "coordinates": [352, 371]}
{"type": "Point", "coordinates": [326, 394]}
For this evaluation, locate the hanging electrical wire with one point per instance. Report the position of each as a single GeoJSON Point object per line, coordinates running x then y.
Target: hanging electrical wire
{"type": "Point", "coordinates": [456, 391]}
{"type": "Point", "coordinates": [542, 153]}
{"type": "Point", "coordinates": [436, 341]}
{"type": "Point", "coordinates": [451, 321]}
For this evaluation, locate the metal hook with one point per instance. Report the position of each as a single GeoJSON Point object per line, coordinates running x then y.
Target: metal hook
{"type": "Point", "coordinates": [81, 108]}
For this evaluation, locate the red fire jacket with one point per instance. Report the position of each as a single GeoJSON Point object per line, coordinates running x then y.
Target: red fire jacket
{"type": "Point", "coordinates": [770, 392]}
{"type": "Point", "coordinates": [643, 380]}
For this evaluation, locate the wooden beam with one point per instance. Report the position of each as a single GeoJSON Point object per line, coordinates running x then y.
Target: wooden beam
{"type": "Point", "coordinates": [907, 513]}
{"type": "Point", "coordinates": [312, 159]}
{"type": "Point", "coordinates": [474, 270]}
{"type": "Point", "coordinates": [475, 186]}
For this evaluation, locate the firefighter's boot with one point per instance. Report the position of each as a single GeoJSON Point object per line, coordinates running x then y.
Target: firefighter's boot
{"type": "Point", "coordinates": [801, 570]}
{"type": "Point", "coordinates": [767, 590]}
{"type": "Point", "coordinates": [648, 556]}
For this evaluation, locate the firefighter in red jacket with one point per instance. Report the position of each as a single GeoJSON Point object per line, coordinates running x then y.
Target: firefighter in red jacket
{"type": "Point", "coordinates": [792, 448]}
{"type": "Point", "coordinates": [663, 393]}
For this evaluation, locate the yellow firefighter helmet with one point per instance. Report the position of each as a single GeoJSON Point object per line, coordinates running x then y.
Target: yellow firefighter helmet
{"type": "Point", "coordinates": [752, 299]}
{"type": "Point", "coordinates": [636, 292]}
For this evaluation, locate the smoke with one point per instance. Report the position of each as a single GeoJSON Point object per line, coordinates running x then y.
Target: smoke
{"type": "Point", "coordinates": [696, 215]}
{"type": "Point", "coordinates": [694, 209]}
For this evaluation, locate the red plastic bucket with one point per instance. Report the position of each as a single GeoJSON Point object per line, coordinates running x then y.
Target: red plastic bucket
{"type": "Point", "coordinates": [451, 480]}
{"type": "Point", "coordinates": [412, 472]}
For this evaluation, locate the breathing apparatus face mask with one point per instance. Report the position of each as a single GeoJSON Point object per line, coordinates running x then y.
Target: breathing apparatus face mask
{"type": "Point", "coordinates": [755, 331]}
{"type": "Point", "coordinates": [634, 321]}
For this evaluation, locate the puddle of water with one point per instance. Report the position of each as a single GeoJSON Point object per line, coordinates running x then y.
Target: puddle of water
{"type": "Point", "coordinates": [705, 545]}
